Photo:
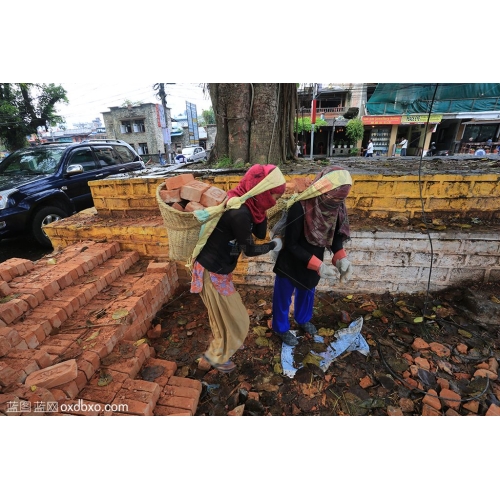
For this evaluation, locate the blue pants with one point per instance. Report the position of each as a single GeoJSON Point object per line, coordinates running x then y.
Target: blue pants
{"type": "Point", "coordinates": [282, 300]}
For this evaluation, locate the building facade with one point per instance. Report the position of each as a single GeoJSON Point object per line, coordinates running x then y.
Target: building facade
{"type": "Point", "coordinates": [140, 126]}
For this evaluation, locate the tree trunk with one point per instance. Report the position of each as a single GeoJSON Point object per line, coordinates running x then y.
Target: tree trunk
{"type": "Point", "coordinates": [254, 122]}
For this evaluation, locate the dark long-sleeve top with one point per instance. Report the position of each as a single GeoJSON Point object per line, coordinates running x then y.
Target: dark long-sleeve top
{"type": "Point", "coordinates": [297, 251]}
{"type": "Point", "coordinates": [231, 236]}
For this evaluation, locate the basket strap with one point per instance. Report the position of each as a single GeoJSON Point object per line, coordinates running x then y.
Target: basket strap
{"type": "Point", "coordinates": [210, 216]}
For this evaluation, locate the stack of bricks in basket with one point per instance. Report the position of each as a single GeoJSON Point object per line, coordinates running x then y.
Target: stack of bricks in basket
{"type": "Point", "coordinates": [184, 193]}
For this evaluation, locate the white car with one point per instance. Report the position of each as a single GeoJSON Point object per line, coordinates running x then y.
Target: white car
{"type": "Point", "coordinates": [194, 154]}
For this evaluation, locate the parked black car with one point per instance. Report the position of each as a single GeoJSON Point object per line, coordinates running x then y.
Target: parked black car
{"type": "Point", "coordinates": [42, 184]}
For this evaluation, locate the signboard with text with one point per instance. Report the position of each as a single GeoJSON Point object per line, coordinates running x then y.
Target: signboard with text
{"type": "Point", "coordinates": [381, 120]}
{"type": "Point", "coordinates": [192, 118]}
{"type": "Point", "coordinates": [420, 119]}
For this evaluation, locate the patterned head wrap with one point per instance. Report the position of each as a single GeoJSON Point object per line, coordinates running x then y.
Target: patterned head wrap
{"type": "Point", "coordinates": [322, 213]}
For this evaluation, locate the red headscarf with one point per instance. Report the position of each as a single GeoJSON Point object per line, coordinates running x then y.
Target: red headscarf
{"type": "Point", "coordinates": [260, 203]}
{"type": "Point", "coordinates": [322, 213]}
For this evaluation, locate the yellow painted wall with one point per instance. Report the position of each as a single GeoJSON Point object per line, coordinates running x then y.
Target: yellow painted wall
{"type": "Point", "coordinates": [126, 210]}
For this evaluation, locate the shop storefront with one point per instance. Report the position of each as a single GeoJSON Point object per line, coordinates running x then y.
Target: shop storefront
{"type": "Point", "coordinates": [387, 131]}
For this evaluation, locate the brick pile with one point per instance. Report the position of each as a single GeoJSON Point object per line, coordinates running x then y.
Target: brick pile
{"type": "Point", "coordinates": [73, 335]}
{"type": "Point", "coordinates": [184, 193]}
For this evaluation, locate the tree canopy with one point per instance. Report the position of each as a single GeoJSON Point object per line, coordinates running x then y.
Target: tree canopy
{"type": "Point", "coordinates": [26, 106]}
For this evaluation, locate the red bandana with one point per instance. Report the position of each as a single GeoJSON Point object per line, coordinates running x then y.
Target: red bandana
{"type": "Point", "coordinates": [260, 203]}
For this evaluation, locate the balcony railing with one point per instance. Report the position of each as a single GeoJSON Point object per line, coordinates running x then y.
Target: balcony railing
{"type": "Point", "coordinates": [337, 110]}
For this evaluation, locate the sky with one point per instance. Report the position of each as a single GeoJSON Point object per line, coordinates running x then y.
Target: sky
{"type": "Point", "coordinates": [88, 101]}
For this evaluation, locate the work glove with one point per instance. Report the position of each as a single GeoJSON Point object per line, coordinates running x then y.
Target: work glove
{"type": "Point", "coordinates": [345, 269]}
{"type": "Point", "coordinates": [321, 268]}
{"type": "Point", "coordinates": [326, 272]}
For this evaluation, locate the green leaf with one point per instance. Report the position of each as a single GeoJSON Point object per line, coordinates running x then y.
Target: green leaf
{"type": "Point", "coordinates": [418, 320]}
{"type": "Point", "coordinates": [262, 341]}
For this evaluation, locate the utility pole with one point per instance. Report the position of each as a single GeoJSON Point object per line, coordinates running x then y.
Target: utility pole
{"type": "Point", "coordinates": [160, 87]}
{"type": "Point", "coordinates": [313, 119]}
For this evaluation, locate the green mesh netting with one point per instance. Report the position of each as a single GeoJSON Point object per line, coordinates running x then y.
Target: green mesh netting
{"type": "Point", "coordinates": [410, 98]}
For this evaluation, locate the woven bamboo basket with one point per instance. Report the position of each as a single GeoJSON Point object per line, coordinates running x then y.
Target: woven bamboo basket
{"type": "Point", "coordinates": [274, 213]}
{"type": "Point", "coordinates": [183, 229]}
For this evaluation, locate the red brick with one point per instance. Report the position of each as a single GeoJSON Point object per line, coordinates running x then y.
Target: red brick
{"type": "Point", "coordinates": [192, 206]}
{"type": "Point", "coordinates": [366, 382]}
{"type": "Point", "coordinates": [178, 206]}
{"type": "Point", "coordinates": [132, 407]}
{"type": "Point", "coordinates": [70, 389]}
{"type": "Point", "coordinates": [422, 363]}
{"type": "Point", "coordinates": [184, 392]}
{"type": "Point", "coordinates": [213, 196]}
{"type": "Point", "coordinates": [237, 412]}
{"type": "Point", "coordinates": [170, 366]}
{"type": "Point", "coordinates": [5, 289]}
{"type": "Point", "coordinates": [192, 191]}
{"type": "Point", "coordinates": [92, 358]}
{"type": "Point", "coordinates": [54, 375]}
{"type": "Point", "coordinates": [420, 344]}
{"type": "Point", "coordinates": [8, 376]}
{"type": "Point", "coordinates": [43, 359]}
{"type": "Point", "coordinates": [158, 267]}
{"type": "Point", "coordinates": [86, 368]}
{"type": "Point", "coordinates": [167, 411]}
{"type": "Point", "coordinates": [178, 402]}
{"type": "Point", "coordinates": [99, 394]}
{"type": "Point", "coordinates": [472, 406]}
{"type": "Point", "coordinates": [10, 334]}
{"type": "Point", "coordinates": [493, 411]}
{"type": "Point", "coordinates": [429, 411]}
{"type": "Point", "coordinates": [186, 382]}
{"type": "Point", "coordinates": [12, 310]}
{"type": "Point", "coordinates": [486, 374]}
{"type": "Point", "coordinates": [451, 399]}
{"type": "Point", "coordinates": [31, 339]}
{"type": "Point", "coordinates": [81, 380]}
{"type": "Point", "coordinates": [441, 350]}
{"type": "Point", "coordinates": [178, 181]}
{"type": "Point", "coordinates": [170, 195]}
{"type": "Point", "coordinates": [5, 346]}
{"type": "Point", "coordinates": [432, 400]}
{"type": "Point", "coordinates": [443, 383]}
{"type": "Point", "coordinates": [141, 385]}
{"type": "Point", "coordinates": [5, 274]}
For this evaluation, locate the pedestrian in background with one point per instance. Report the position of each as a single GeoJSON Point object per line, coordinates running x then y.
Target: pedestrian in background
{"type": "Point", "coordinates": [312, 225]}
{"type": "Point", "coordinates": [404, 145]}
{"type": "Point", "coordinates": [212, 270]}
{"type": "Point", "coordinates": [369, 149]}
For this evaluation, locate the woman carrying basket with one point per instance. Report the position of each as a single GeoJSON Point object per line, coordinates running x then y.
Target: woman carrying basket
{"type": "Point", "coordinates": [212, 269]}
{"type": "Point", "coordinates": [313, 224]}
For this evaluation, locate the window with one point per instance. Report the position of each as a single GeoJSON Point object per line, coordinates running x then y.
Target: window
{"type": "Point", "coordinates": [138, 126]}
{"type": "Point", "coordinates": [84, 158]}
{"type": "Point", "coordinates": [107, 156]}
{"type": "Point", "coordinates": [125, 154]}
{"type": "Point", "coordinates": [126, 127]}
{"type": "Point", "coordinates": [143, 148]}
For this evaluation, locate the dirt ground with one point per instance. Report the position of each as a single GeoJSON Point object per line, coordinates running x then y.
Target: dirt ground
{"type": "Point", "coordinates": [418, 346]}
{"type": "Point", "coordinates": [429, 354]}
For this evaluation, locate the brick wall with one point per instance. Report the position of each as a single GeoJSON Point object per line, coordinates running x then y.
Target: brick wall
{"type": "Point", "coordinates": [399, 261]}
{"type": "Point", "coordinates": [384, 260]}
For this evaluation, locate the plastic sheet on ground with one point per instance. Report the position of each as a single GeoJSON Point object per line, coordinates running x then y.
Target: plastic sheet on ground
{"type": "Point", "coordinates": [347, 339]}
